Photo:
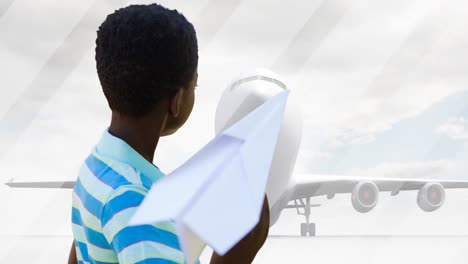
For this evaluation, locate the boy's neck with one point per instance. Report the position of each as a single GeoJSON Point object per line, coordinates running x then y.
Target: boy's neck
{"type": "Point", "coordinates": [141, 134]}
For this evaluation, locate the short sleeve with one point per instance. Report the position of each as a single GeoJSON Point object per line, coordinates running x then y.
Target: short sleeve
{"type": "Point", "coordinates": [157, 243]}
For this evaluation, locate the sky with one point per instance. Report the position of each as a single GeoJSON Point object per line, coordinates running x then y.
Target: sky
{"type": "Point", "coordinates": [383, 88]}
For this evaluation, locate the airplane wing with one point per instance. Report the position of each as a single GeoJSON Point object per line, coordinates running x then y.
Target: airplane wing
{"type": "Point", "coordinates": [49, 184]}
{"type": "Point", "coordinates": [311, 185]}
{"type": "Point", "coordinates": [364, 193]}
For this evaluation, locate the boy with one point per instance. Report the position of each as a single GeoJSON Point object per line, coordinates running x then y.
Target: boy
{"type": "Point", "coordinates": [146, 57]}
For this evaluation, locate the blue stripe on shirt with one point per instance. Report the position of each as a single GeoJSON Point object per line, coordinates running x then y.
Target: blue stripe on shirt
{"type": "Point", "coordinates": [94, 237]}
{"type": "Point", "coordinates": [83, 248]}
{"type": "Point", "coordinates": [133, 234]}
{"type": "Point", "coordinates": [76, 217]}
{"type": "Point", "coordinates": [105, 173]}
{"type": "Point", "coordinates": [147, 183]}
{"type": "Point", "coordinates": [91, 204]}
{"type": "Point", "coordinates": [126, 200]}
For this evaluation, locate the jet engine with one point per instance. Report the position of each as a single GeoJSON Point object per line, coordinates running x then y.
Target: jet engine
{"type": "Point", "coordinates": [365, 196]}
{"type": "Point", "coordinates": [431, 196]}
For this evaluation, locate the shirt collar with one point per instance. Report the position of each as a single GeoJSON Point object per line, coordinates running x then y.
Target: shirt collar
{"type": "Point", "coordinates": [115, 148]}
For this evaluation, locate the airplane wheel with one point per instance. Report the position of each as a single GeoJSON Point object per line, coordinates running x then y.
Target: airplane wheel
{"type": "Point", "coordinates": [312, 229]}
{"type": "Point", "coordinates": [304, 229]}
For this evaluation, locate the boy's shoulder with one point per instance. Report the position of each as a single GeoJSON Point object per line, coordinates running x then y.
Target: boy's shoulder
{"type": "Point", "coordinates": [116, 174]}
{"type": "Point", "coordinates": [111, 169]}
{"type": "Point", "coordinates": [106, 186]}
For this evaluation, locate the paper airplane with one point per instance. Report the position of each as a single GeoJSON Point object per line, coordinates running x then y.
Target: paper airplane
{"type": "Point", "coordinates": [216, 197]}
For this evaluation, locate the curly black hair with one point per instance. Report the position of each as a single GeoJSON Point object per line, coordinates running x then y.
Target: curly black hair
{"type": "Point", "coordinates": [143, 54]}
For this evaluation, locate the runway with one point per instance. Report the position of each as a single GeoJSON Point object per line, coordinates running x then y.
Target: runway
{"type": "Point", "coordinates": [370, 249]}
{"type": "Point", "coordinates": [395, 232]}
{"type": "Point", "coordinates": [282, 249]}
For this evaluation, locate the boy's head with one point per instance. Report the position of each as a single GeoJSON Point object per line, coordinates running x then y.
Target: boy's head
{"type": "Point", "coordinates": [147, 56]}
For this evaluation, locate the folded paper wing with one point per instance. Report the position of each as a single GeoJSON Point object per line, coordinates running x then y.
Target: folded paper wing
{"type": "Point", "coordinates": [216, 197]}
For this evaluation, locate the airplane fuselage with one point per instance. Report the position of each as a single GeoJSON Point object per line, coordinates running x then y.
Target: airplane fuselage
{"type": "Point", "coordinates": [240, 98]}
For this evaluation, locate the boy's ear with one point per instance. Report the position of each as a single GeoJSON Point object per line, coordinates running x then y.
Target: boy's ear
{"type": "Point", "coordinates": [174, 104]}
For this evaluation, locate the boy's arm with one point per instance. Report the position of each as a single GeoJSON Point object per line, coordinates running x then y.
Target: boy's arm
{"type": "Point", "coordinates": [149, 243]}
{"type": "Point", "coordinates": [246, 250]}
{"type": "Point", "coordinates": [72, 257]}
{"type": "Point", "coordinates": [155, 242]}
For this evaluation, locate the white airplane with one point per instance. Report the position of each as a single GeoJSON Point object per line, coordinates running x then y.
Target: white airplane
{"type": "Point", "coordinates": [287, 192]}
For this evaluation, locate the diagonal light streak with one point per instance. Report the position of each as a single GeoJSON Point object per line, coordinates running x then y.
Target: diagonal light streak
{"type": "Point", "coordinates": [50, 78]}
{"type": "Point", "coordinates": [52, 75]}
{"type": "Point", "coordinates": [212, 18]}
{"type": "Point", "coordinates": [70, 52]}
{"type": "Point", "coordinates": [403, 62]}
{"type": "Point", "coordinates": [4, 6]}
{"type": "Point", "coordinates": [309, 38]}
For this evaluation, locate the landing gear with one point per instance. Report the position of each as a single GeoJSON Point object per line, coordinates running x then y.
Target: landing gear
{"type": "Point", "coordinates": [307, 228]}
{"type": "Point", "coordinates": [304, 230]}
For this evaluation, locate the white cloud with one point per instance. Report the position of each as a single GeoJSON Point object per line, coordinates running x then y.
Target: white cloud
{"type": "Point", "coordinates": [309, 156]}
{"type": "Point", "coordinates": [455, 128]}
{"type": "Point", "coordinates": [366, 77]}
{"type": "Point", "coordinates": [320, 155]}
{"type": "Point", "coordinates": [413, 169]}
{"type": "Point", "coordinates": [351, 136]}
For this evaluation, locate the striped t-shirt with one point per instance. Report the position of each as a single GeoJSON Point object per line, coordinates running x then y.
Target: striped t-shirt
{"type": "Point", "coordinates": [112, 183]}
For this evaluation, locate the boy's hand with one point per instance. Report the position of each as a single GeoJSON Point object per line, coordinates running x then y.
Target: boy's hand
{"type": "Point", "coordinates": [246, 250]}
